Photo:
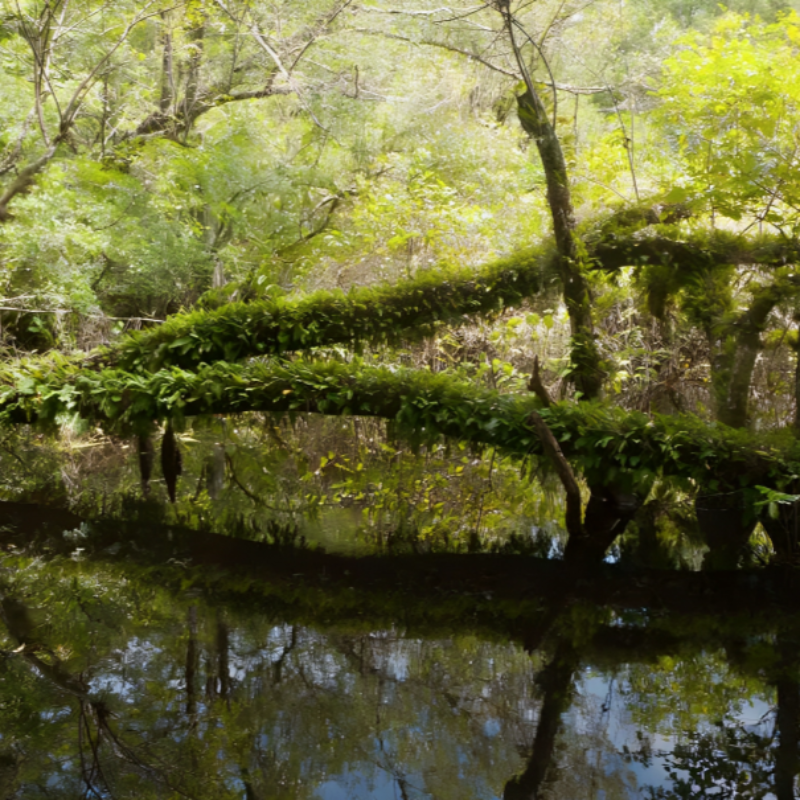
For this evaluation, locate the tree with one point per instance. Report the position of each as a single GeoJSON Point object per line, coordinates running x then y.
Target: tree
{"type": "Point", "coordinates": [676, 260]}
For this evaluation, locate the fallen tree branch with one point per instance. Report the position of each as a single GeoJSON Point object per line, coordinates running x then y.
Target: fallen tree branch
{"type": "Point", "coordinates": [602, 442]}
{"type": "Point", "coordinates": [387, 313]}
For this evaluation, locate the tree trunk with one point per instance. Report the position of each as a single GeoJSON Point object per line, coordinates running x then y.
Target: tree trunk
{"type": "Point", "coordinates": [733, 404]}
{"type": "Point", "coordinates": [587, 365]}
{"type": "Point", "coordinates": [796, 347]}
{"type": "Point", "coordinates": [167, 69]}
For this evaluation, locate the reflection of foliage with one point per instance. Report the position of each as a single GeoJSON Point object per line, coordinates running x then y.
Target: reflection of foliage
{"type": "Point", "coordinates": [701, 686]}
{"type": "Point", "coordinates": [728, 762]}
{"type": "Point", "coordinates": [172, 696]}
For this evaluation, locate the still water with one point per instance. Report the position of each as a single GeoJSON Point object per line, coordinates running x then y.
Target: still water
{"type": "Point", "coordinates": [119, 678]}
{"type": "Point", "coordinates": [143, 659]}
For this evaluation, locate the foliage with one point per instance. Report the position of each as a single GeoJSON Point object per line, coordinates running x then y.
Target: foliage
{"type": "Point", "coordinates": [729, 105]}
{"type": "Point", "coordinates": [607, 443]}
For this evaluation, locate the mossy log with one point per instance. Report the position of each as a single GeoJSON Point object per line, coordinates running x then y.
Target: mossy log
{"type": "Point", "coordinates": [410, 309]}
{"type": "Point", "coordinates": [607, 444]}
{"type": "Point", "coordinates": [666, 244]}
{"type": "Point", "coordinates": [380, 314]}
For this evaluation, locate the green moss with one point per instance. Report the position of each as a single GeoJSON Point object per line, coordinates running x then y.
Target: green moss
{"type": "Point", "coordinates": [377, 314]}
{"type": "Point", "coordinates": [605, 443]}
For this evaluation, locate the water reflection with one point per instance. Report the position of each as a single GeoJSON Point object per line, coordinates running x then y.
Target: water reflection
{"type": "Point", "coordinates": [125, 679]}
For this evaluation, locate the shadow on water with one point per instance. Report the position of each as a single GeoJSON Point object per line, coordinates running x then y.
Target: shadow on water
{"type": "Point", "coordinates": [151, 661]}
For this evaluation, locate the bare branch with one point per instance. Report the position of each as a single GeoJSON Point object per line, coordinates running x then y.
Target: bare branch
{"type": "Point", "coordinates": [536, 385]}
{"type": "Point", "coordinates": [23, 180]}
{"type": "Point", "coordinates": [561, 87]}
{"type": "Point", "coordinates": [265, 46]}
{"type": "Point", "coordinates": [403, 13]}
{"type": "Point", "coordinates": [565, 474]}
{"type": "Point", "coordinates": [83, 88]}
{"type": "Point", "coordinates": [330, 18]}
{"type": "Point", "coordinates": [441, 45]}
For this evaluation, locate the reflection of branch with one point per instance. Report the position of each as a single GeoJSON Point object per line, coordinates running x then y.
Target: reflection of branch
{"type": "Point", "coordinates": [96, 768]}
{"type": "Point", "coordinates": [277, 665]}
{"type": "Point", "coordinates": [190, 668]}
{"type": "Point", "coordinates": [16, 617]}
{"type": "Point", "coordinates": [556, 680]}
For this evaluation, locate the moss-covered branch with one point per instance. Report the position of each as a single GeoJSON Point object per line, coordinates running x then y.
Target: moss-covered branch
{"type": "Point", "coordinates": [385, 313]}
{"type": "Point", "coordinates": [377, 314]}
{"type": "Point", "coordinates": [604, 442]}
{"type": "Point", "coordinates": [667, 244]}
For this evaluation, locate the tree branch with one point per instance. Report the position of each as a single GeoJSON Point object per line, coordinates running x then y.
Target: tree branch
{"type": "Point", "coordinates": [552, 450]}
{"type": "Point", "coordinates": [536, 385]}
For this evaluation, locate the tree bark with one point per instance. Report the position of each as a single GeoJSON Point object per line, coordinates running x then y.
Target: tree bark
{"type": "Point", "coordinates": [733, 404]}
{"type": "Point", "coordinates": [587, 366]}
{"type": "Point", "coordinates": [536, 385]}
{"type": "Point", "coordinates": [167, 69]}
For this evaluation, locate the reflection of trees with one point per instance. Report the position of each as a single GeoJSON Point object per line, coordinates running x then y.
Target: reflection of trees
{"type": "Point", "coordinates": [174, 721]}
{"type": "Point", "coordinates": [97, 738]}
{"type": "Point", "coordinates": [728, 762]}
{"type": "Point", "coordinates": [371, 696]}
{"type": "Point", "coordinates": [556, 683]}
{"type": "Point", "coordinates": [733, 760]}
{"type": "Point", "coordinates": [787, 724]}
{"type": "Point", "coordinates": [218, 701]}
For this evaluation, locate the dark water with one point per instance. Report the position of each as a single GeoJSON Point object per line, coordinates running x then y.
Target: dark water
{"type": "Point", "coordinates": [142, 659]}
{"type": "Point", "coordinates": [121, 677]}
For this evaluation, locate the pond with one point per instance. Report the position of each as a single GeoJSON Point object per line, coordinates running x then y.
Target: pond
{"type": "Point", "coordinates": [144, 654]}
